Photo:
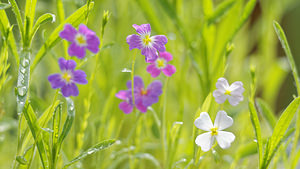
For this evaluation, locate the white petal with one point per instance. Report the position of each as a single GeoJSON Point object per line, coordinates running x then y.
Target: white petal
{"type": "Point", "coordinates": [219, 95]}
{"type": "Point", "coordinates": [225, 139]}
{"type": "Point", "coordinates": [223, 121]}
{"type": "Point", "coordinates": [236, 88]}
{"type": "Point", "coordinates": [222, 83]}
{"type": "Point", "coordinates": [204, 122]}
{"type": "Point", "coordinates": [234, 100]}
{"type": "Point", "coordinates": [205, 141]}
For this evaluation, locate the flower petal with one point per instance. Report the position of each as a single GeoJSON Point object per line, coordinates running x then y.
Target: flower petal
{"type": "Point", "coordinates": [225, 139]}
{"type": "Point", "coordinates": [166, 55]}
{"type": "Point", "coordinates": [123, 94]}
{"type": "Point", "coordinates": [235, 100]}
{"type": "Point", "coordinates": [140, 106]}
{"type": "Point", "coordinates": [93, 43]}
{"type": "Point", "coordinates": [66, 64]}
{"type": "Point", "coordinates": [56, 81]}
{"type": "Point", "coordinates": [153, 70]}
{"type": "Point", "coordinates": [70, 90]}
{"type": "Point", "coordinates": [155, 88]}
{"type": "Point", "coordinates": [138, 83]}
{"type": "Point", "coordinates": [159, 42]}
{"type": "Point", "coordinates": [222, 120]}
{"type": "Point", "coordinates": [68, 33]}
{"type": "Point", "coordinates": [79, 76]}
{"type": "Point", "coordinates": [222, 84]}
{"type": "Point", "coordinates": [75, 50]}
{"type": "Point", "coordinates": [149, 53]}
{"type": "Point", "coordinates": [169, 70]}
{"type": "Point", "coordinates": [134, 41]}
{"type": "Point", "coordinates": [142, 29]}
{"type": "Point", "coordinates": [219, 96]}
{"type": "Point", "coordinates": [84, 30]}
{"type": "Point", "coordinates": [204, 122]}
{"type": "Point", "coordinates": [236, 88]}
{"type": "Point", "coordinates": [126, 107]}
{"type": "Point", "coordinates": [205, 141]}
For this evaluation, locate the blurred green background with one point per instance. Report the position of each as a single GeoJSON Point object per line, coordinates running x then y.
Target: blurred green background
{"type": "Point", "coordinates": [256, 43]}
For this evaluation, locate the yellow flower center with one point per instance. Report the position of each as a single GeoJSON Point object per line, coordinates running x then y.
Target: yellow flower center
{"type": "Point", "coordinates": [144, 92]}
{"type": "Point", "coordinates": [67, 77]}
{"type": "Point", "coordinates": [147, 40]}
{"type": "Point", "coordinates": [160, 63]}
{"type": "Point", "coordinates": [228, 92]}
{"type": "Point", "coordinates": [214, 131]}
{"type": "Point", "coordinates": [80, 39]}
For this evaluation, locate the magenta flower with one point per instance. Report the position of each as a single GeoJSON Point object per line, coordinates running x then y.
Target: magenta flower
{"type": "Point", "coordinates": [147, 44]}
{"type": "Point", "coordinates": [67, 79]}
{"type": "Point", "coordinates": [80, 40]}
{"type": "Point", "coordinates": [160, 65]}
{"type": "Point", "coordinates": [144, 97]}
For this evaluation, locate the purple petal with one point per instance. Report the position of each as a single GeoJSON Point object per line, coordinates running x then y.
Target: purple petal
{"type": "Point", "coordinates": [155, 88]}
{"type": "Point", "coordinates": [149, 53]}
{"type": "Point", "coordinates": [138, 83]}
{"type": "Point", "coordinates": [68, 33]}
{"type": "Point", "coordinates": [142, 29]}
{"type": "Point", "coordinates": [166, 55]}
{"type": "Point", "coordinates": [75, 50]}
{"type": "Point", "coordinates": [56, 81]}
{"type": "Point", "coordinates": [134, 41]}
{"type": "Point", "coordinates": [126, 107]}
{"type": "Point", "coordinates": [66, 64]}
{"type": "Point", "coordinates": [83, 29]}
{"type": "Point", "coordinates": [123, 94]}
{"type": "Point", "coordinates": [70, 90]}
{"type": "Point", "coordinates": [169, 70]}
{"type": "Point", "coordinates": [159, 42]}
{"type": "Point", "coordinates": [139, 105]}
{"type": "Point", "coordinates": [153, 70]}
{"type": "Point", "coordinates": [79, 77]}
{"type": "Point", "coordinates": [149, 100]}
{"type": "Point", "coordinates": [93, 43]}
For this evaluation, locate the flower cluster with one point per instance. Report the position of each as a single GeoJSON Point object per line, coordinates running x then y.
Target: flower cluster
{"type": "Point", "coordinates": [144, 97]}
{"type": "Point", "coordinates": [234, 94]}
{"type": "Point", "coordinates": [80, 40]}
{"type": "Point", "coordinates": [154, 50]}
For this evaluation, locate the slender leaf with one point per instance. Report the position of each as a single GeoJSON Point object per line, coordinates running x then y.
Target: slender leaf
{"type": "Point", "coordinates": [16, 11]}
{"type": "Point", "coordinates": [75, 19]}
{"type": "Point", "coordinates": [98, 147]}
{"type": "Point", "coordinates": [4, 6]}
{"type": "Point", "coordinates": [257, 129]}
{"type": "Point", "coordinates": [29, 13]}
{"type": "Point", "coordinates": [221, 10]}
{"type": "Point", "coordinates": [149, 157]}
{"type": "Point", "coordinates": [41, 20]}
{"type": "Point", "coordinates": [265, 109]}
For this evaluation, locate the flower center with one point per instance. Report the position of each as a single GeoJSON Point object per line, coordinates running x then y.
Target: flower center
{"type": "Point", "coordinates": [160, 63]}
{"type": "Point", "coordinates": [147, 40]}
{"type": "Point", "coordinates": [144, 92]}
{"type": "Point", "coordinates": [80, 40]}
{"type": "Point", "coordinates": [228, 92]}
{"type": "Point", "coordinates": [67, 77]}
{"type": "Point", "coordinates": [214, 131]}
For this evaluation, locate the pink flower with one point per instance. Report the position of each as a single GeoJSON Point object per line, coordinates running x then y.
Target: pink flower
{"type": "Point", "coordinates": [160, 65]}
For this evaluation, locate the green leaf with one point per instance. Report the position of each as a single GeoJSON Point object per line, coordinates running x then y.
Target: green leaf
{"type": "Point", "coordinates": [285, 45]}
{"type": "Point", "coordinates": [98, 147]}
{"type": "Point", "coordinates": [257, 129]}
{"type": "Point", "coordinates": [75, 19]}
{"type": "Point", "coordinates": [221, 10]}
{"type": "Point", "coordinates": [279, 130]}
{"type": "Point", "coordinates": [149, 157]}
{"type": "Point", "coordinates": [41, 20]}
{"type": "Point", "coordinates": [4, 6]}
{"type": "Point", "coordinates": [30, 7]}
{"type": "Point", "coordinates": [16, 11]}
{"type": "Point", "coordinates": [265, 109]}
{"type": "Point", "coordinates": [21, 160]}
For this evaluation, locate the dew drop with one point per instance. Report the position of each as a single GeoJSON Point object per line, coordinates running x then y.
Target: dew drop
{"type": "Point", "coordinates": [25, 62]}
{"type": "Point", "coordinates": [125, 70]}
{"type": "Point", "coordinates": [22, 90]}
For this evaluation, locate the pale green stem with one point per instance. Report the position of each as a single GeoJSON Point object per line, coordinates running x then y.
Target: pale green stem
{"type": "Point", "coordinates": [163, 124]}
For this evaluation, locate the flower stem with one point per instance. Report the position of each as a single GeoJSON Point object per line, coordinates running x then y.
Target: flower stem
{"type": "Point", "coordinates": [163, 124]}
{"type": "Point", "coordinates": [132, 76]}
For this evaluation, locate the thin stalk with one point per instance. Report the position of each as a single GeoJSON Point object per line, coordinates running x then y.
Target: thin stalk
{"type": "Point", "coordinates": [132, 76]}
{"type": "Point", "coordinates": [163, 123]}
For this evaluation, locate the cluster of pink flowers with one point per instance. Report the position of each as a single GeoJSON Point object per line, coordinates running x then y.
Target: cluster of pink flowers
{"type": "Point", "coordinates": [154, 50]}
{"type": "Point", "coordinates": [80, 40]}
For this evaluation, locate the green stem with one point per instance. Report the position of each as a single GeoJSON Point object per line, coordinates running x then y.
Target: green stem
{"type": "Point", "coordinates": [132, 76]}
{"type": "Point", "coordinates": [163, 124]}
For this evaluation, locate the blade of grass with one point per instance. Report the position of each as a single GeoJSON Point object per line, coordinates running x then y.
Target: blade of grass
{"type": "Point", "coordinates": [16, 11]}
{"type": "Point", "coordinates": [220, 11]}
{"type": "Point", "coordinates": [265, 109]}
{"type": "Point", "coordinates": [4, 6]}
{"type": "Point", "coordinates": [41, 20]}
{"type": "Point", "coordinates": [75, 19]}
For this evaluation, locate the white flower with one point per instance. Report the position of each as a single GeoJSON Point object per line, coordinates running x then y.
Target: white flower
{"type": "Point", "coordinates": [206, 140]}
{"type": "Point", "coordinates": [234, 92]}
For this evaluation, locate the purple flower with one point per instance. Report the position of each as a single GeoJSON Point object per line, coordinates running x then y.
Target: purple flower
{"type": "Point", "coordinates": [144, 97]}
{"type": "Point", "coordinates": [147, 44]}
{"type": "Point", "coordinates": [81, 39]}
{"type": "Point", "coordinates": [160, 64]}
{"type": "Point", "coordinates": [67, 79]}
